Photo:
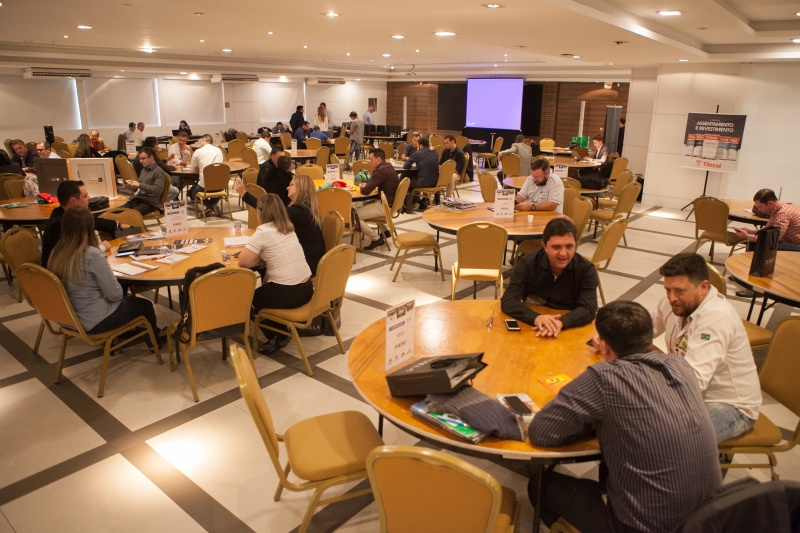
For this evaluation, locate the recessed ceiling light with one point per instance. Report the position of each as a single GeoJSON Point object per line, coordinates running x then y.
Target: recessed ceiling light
{"type": "Point", "coordinates": [416, 51]}
{"type": "Point", "coordinates": [348, 53]}
{"type": "Point", "coordinates": [122, 71]}
{"type": "Point", "coordinates": [444, 33]}
{"type": "Point", "coordinates": [282, 78]}
{"type": "Point", "coordinates": [798, 14]}
{"type": "Point", "coordinates": [199, 14]}
{"type": "Point", "coordinates": [398, 36]}
{"type": "Point", "coordinates": [610, 64]}
{"type": "Point", "coordinates": [331, 14]}
{"type": "Point", "coordinates": [576, 57]}
{"type": "Point", "coordinates": [386, 55]}
{"type": "Point", "coordinates": [85, 27]}
{"type": "Point", "coordinates": [370, 60]}
{"type": "Point", "coordinates": [358, 79]}
{"type": "Point", "coordinates": [796, 40]}
{"type": "Point", "coordinates": [269, 33]}
{"type": "Point", "coordinates": [183, 73]}
{"type": "Point", "coordinates": [305, 46]}
{"type": "Point", "coordinates": [495, 66]}
{"type": "Point", "coordinates": [492, 6]}
{"type": "Point", "coordinates": [505, 55]}
{"type": "Point", "coordinates": [669, 13]}
{"type": "Point", "coordinates": [227, 50]}
{"type": "Point", "coordinates": [65, 37]}
{"type": "Point", "coordinates": [683, 60]}
{"type": "Point", "coordinates": [202, 40]}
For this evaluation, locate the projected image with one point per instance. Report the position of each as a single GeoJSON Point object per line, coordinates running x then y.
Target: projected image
{"type": "Point", "coordinates": [494, 103]}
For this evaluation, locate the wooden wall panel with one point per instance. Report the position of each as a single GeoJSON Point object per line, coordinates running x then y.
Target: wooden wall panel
{"type": "Point", "coordinates": [596, 97]}
{"type": "Point", "coordinates": [422, 105]}
{"type": "Point", "coordinates": [549, 104]}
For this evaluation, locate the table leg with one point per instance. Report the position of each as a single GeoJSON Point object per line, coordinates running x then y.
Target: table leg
{"type": "Point", "coordinates": [752, 305]}
{"type": "Point", "coordinates": [763, 308]}
{"type": "Point", "coordinates": [538, 471]}
{"type": "Point", "coordinates": [380, 425]}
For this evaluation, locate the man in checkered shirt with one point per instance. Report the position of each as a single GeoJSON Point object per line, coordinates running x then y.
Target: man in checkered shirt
{"type": "Point", "coordinates": [781, 215]}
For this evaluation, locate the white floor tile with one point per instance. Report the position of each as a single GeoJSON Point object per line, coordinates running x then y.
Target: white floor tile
{"type": "Point", "coordinates": [5, 527]}
{"type": "Point", "coordinates": [26, 329]}
{"type": "Point", "coordinates": [8, 365]}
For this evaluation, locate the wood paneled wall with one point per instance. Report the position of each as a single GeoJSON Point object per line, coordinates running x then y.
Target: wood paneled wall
{"type": "Point", "coordinates": [423, 101]}
{"type": "Point", "coordinates": [568, 109]}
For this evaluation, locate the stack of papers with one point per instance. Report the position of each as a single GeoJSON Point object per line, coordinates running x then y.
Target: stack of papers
{"type": "Point", "coordinates": [457, 204]}
{"type": "Point", "coordinates": [132, 269]}
{"type": "Point", "coordinates": [236, 241]}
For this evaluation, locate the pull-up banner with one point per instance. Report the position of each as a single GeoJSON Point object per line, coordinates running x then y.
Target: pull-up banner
{"type": "Point", "coordinates": [713, 141]}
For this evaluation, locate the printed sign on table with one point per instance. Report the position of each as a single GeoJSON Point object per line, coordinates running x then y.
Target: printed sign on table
{"type": "Point", "coordinates": [175, 218]}
{"type": "Point", "coordinates": [331, 172]}
{"type": "Point", "coordinates": [130, 146]}
{"type": "Point", "coordinates": [294, 146]}
{"type": "Point", "coordinates": [561, 170]}
{"type": "Point", "coordinates": [399, 334]}
{"type": "Point", "coordinates": [713, 141]}
{"type": "Point", "coordinates": [504, 203]}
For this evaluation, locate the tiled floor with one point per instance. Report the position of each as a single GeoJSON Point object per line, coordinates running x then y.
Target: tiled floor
{"type": "Point", "coordinates": [145, 457]}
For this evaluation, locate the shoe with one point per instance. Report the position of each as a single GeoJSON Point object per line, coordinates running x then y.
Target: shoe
{"type": "Point", "coordinates": [423, 205]}
{"type": "Point", "coordinates": [375, 244]}
{"type": "Point", "coordinates": [747, 293]}
{"type": "Point", "coordinates": [387, 234]}
{"type": "Point", "coordinates": [274, 344]}
{"type": "Point", "coordinates": [208, 213]}
{"type": "Point", "coordinates": [217, 209]}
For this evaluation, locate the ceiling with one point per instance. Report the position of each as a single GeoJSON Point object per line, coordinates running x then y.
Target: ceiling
{"type": "Point", "coordinates": [523, 37]}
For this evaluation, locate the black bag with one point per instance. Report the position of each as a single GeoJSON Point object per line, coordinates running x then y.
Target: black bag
{"type": "Point", "coordinates": [98, 203]}
{"type": "Point", "coordinates": [591, 179]}
{"type": "Point", "coordinates": [604, 170]}
{"type": "Point", "coordinates": [766, 252]}
{"type": "Point", "coordinates": [186, 319]}
{"type": "Point", "coordinates": [314, 329]}
{"type": "Point", "coordinates": [327, 330]}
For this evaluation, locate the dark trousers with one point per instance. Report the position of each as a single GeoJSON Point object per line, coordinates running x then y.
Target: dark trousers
{"type": "Point", "coordinates": [140, 205]}
{"type": "Point", "coordinates": [131, 307]}
{"type": "Point", "coordinates": [578, 501]}
{"type": "Point", "coordinates": [210, 203]}
{"type": "Point", "coordinates": [275, 296]}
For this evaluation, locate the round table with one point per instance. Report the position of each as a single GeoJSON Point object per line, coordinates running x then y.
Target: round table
{"type": "Point", "coordinates": [38, 213]}
{"type": "Point", "coordinates": [561, 160]}
{"type": "Point", "coordinates": [783, 285]}
{"type": "Point", "coordinates": [355, 191]}
{"type": "Point", "coordinates": [518, 228]}
{"type": "Point", "coordinates": [558, 151]}
{"type": "Point", "coordinates": [516, 182]}
{"type": "Point", "coordinates": [188, 175]}
{"type": "Point", "coordinates": [302, 155]}
{"type": "Point", "coordinates": [742, 211]}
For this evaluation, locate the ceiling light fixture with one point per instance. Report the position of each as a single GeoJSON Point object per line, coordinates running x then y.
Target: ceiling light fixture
{"type": "Point", "coordinates": [305, 46]}
{"type": "Point", "coordinates": [386, 55]}
{"type": "Point", "coordinates": [65, 37]}
{"type": "Point", "coordinates": [85, 27]}
{"type": "Point", "coordinates": [358, 79]}
{"type": "Point", "coordinates": [282, 78]}
{"type": "Point", "coordinates": [669, 13]}
{"type": "Point", "coordinates": [683, 60]}
{"type": "Point", "coordinates": [398, 37]}
{"type": "Point", "coordinates": [417, 51]}
{"type": "Point", "coordinates": [227, 50]}
{"type": "Point", "coordinates": [798, 14]}
{"type": "Point", "coordinates": [269, 33]}
{"type": "Point", "coordinates": [331, 14]}
{"type": "Point", "coordinates": [183, 73]}
{"type": "Point", "coordinates": [492, 6]}
{"type": "Point", "coordinates": [444, 34]}
{"type": "Point", "coordinates": [495, 66]}
{"type": "Point", "coordinates": [199, 14]}
{"type": "Point", "coordinates": [576, 57]}
{"type": "Point", "coordinates": [796, 41]}
{"type": "Point", "coordinates": [505, 55]}
{"type": "Point", "coordinates": [348, 53]}
{"type": "Point", "coordinates": [148, 50]}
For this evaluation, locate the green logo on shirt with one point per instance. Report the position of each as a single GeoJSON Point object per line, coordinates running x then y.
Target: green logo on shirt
{"type": "Point", "coordinates": [705, 336]}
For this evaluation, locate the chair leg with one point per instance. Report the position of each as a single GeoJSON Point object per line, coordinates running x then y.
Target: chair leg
{"type": "Point", "coordinates": [474, 290]}
{"type": "Point", "coordinates": [624, 240]}
{"type": "Point", "coordinates": [60, 364]}
{"type": "Point", "coordinates": [453, 283]}
{"type": "Point", "coordinates": [395, 259]}
{"type": "Point", "coordinates": [101, 390]}
{"type": "Point", "coordinates": [171, 348]}
{"type": "Point", "coordinates": [153, 340]}
{"type": "Point", "coordinates": [38, 338]}
{"type": "Point", "coordinates": [437, 260]}
{"type": "Point", "coordinates": [312, 505]}
{"type": "Point", "coordinates": [336, 331]}
{"type": "Point", "coordinates": [696, 245]}
{"type": "Point", "coordinates": [296, 337]}
{"type": "Point", "coordinates": [185, 353]}
{"type": "Point", "coordinates": [711, 252]}
{"type": "Point", "coordinates": [600, 288]}
{"type": "Point", "coordinates": [405, 253]}
{"type": "Point", "coordinates": [279, 490]}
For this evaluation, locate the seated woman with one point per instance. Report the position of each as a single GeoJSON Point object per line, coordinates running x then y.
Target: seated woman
{"type": "Point", "coordinates": [184, 126]}
{"type": "Point", "coordinates": [287, 281]}
{"type": "Point", "coordinates": [85, 148]}
{"type": "Point", "coordinates": [92, 288]}
{"type": "Point", "coordinates": [303, 213]}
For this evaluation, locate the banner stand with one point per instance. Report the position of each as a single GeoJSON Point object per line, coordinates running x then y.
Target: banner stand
{"type": "Point", "coordinates": [705, 186]}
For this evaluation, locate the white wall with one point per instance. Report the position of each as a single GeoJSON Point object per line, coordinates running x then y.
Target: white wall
{"type": "Point", "coordinates": [639, 119]}
{"type": "Point", "coordinates": [342, 99]}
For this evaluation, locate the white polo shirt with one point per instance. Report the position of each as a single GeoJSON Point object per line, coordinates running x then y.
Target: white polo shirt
{"type": "Point", "coordinates": [714, 343]}
{"type": "Point", "coordinates": [184, 155]}
{"type": "Point", "coordinates": [283, 255]}
{"type": "Point", "coordinates": [551, 191]}
{"type": "Point", "coordinates": [262, 149]}
{"type": "Point", "coordinates": [138, 136]}
{"type": "Point", "coordinates": [204, 156]}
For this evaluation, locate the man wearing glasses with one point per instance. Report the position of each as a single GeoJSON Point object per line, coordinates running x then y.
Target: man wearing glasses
{"type": "Point", "coordinates": [45, 152]}
{"type": "Point", "coordinates": [541, 191]}
{"type": "Point", "coordinates": [150, 187]}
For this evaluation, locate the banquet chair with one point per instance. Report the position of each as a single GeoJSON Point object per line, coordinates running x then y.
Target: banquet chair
{"type": "Point", "coordinates": [570, 194]}
{"type": "Point", "coordinates": [621, 211]}
{"type": "Point", "coordinates": [546, 144]}
{"type": "Point", "coordinates": [249, 156]}
{"type": "Point", "coordinates": [3, 179]}
{"type": "Point", "coordinates": [605, 249]}
{"type": "Point", "coordinates": [126, 170]}
{"type": "Point", "coordinates": [446, 170]}
{"type": "Point", "coordinates": [580, 152]}
{"type": "Point", "coordinates": [411, 240]}
{"type": "Point", "coordinates": [123, 215]}
{"type": "Point", "coordinates": [462, 178]}
{"type": "Point", "coordinates": [58, 146]}
{"type": "Point", "coordinates": [332, 229]}
{"type": "Point", "coordinates": [162, 154]}
{"type": "Point", "coordinates": [312, 143]}
{"type": "Point", "coordinates": [341, 146]}
{"type": "Point", "coordinates": [323, 156]}
{"type": "Point", "coordinates": [210, 312]}
{"type": "Point", "coordinates": [286, 140]}
{"type": "Point", "coordinates": [362, 164]}
{"type": "Point", "coordinates": [578, 210]}
{"type": "Point", "coordinates": [217, 179]}
{"type": "Point", "coordinates": [488, 184]}
{"type": "Point", "coordinates": [620, 164]}
{"type": "Point", "coordinates": [235, 148]}
{"type": "Point", "coordinates": [334, 160]}
{"type": "Point", "coordinates": [18, 246]}
{"type": "Point", "coordinates": [341, 201]}
{"type": "Point", "coordinates": [397, 207]}
{"type": "Point", "coordinates": [711, 224]}
{"type": "Point", "coordinates": [490, 157]}
{"type": "Point", "coordinates": [64, 154]}
{"type": "Point", "coordinates": [388, 149]}
{"type": "Point", "coordinates": [759, 337]}
{"type": "Point", "coordinates": [572, 182]}
{"type": "Point", "coordinates": [15, 188]}
{"type": "Point", "coordinates": [436, 140]}
{"type": "Point", "coordinates": [58, 139]}
{"type": "Point", "coordinates": [462, 142]}
{"type": "Point", "coordinates": [330, 282]}
{"type": "Point", "coordinates": [323, 451]}
{"type": "Point", "coordinates": [439, 150]}
{"type": "Point", "coordinates": [71, 148]}
{"type": "Point", "coordinates": [242, 136]}
{"type": "Point", "coordinates": [481, 249]}
{"type": "Point", "coordinates": [511, 164]}
{"type": "Point", "coordinates": [311, 170]}
{"type": "Point", "coordinates": [250, 176]}
{"type": "Point", "coordinates": [252, 213]}
{"type": "Point", "coordinates": [401, 148]}
{"type": "Point", "coordinates": [420, 490]}
{"type": "Point", "coordinates": [623, 178]}
{"type": "Point", "coordinates": [48, 296]}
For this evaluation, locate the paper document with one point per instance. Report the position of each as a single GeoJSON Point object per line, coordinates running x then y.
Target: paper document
{"type": "Point", "coordinates": [236, 241]}
{"type": "Point", "coordinates": [139, 237]}
{"type": "Point", "coordinates": [191, 248]}
{"type": "Point", "coordinates": [172, 259]}
{"type": "Point", "coordinates": [128, 269]}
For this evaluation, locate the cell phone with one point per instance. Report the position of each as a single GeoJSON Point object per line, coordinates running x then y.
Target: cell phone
{"type": "Point", "coordinates": [517, 405]}
{"type": "Point", "coordinates": [512, 325]}
{"type": "Point", "coordinates": [590, 342]}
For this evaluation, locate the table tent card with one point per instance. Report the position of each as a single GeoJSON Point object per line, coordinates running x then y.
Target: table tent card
{"type": "Point", "coordinates": [175, 219]}
{"type": "Point", "coordinates": [561, 170]}
{"type": "Point", "coordinates": [399, 334]}
{"type": "Point", "coordinates": [504, 203]}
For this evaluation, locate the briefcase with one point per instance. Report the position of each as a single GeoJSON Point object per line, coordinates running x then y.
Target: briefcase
{"type": "Point", "coordinates": [766, 252]}
{"type": "Point", "coordinates": [441, 374]}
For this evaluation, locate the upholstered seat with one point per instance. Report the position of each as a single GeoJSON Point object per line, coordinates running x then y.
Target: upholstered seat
{"type": "Point", "coordinates": [763, 433]}
{"type": "Point", "coordinates": [416, 238]}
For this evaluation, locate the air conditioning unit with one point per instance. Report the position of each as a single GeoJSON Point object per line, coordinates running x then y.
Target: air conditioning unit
{"type": "Point", "coordinates": [35, 72]}
{"type": "Point", "coordinates": [216, 78]}
{"type": "Point", "coordinates": [325, 81]}
{"type": "Point", "coordinates": [239, 77]}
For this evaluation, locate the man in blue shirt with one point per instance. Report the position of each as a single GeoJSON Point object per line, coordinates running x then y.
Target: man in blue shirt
{"type": "Point", "coordinates": [427, 165]}
{"type": "Point", "coordinates": [301, 135]}
{"type": "Point", "coordinates": [317, 134]}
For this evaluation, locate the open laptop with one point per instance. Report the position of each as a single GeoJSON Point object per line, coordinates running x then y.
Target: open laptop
{"type": "Point", "coordinates": [175, 132]}
{"type": "Point", "coordinates": [50, 173]}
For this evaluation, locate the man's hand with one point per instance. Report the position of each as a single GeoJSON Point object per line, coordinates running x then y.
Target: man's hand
{"type": "Point", "coordinates": [548, 325]}
{"type": "Point", "coordinates": [131, 184]}
{"type": "Point", "coordinates": [124, 226]}
{"type": "Point", "coordinates": [238, 186]}
{"type": "Point", "coordinates": [741, 232]}
{"type": "Point", "coordinates": [524, 206]}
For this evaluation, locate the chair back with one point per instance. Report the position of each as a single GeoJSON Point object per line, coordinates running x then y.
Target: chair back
{"type": "Point", "coordinates": [388, 149]}
{"type": "Point", "coordinates": [330, 282]}
{"type": "Point", "coordinates": [3, 179]}
{"type": "Point", "coordinates": [439, 149]}
{"type": "Point", "coordinates": [235, 148]}
{"type": "Point", "coordinates": [488, 185]}
{"type": "Point", "coordinates": [572, 182]}
{"type": "Point", "coordinates": [335, 161]}
{"type": "Point", "coordinates": [15, 188]}
{"type": "Point", "coordinates": [462, 141]}
{"type": "Point", "coordinates": [401, 149]}
{"type": "Point", "coordinates": [241, 136]}
{"type": "Point", "coordinates": [481, 245]}
{"type": "Point", "coordinates": [224, 153]}
{"type": "Point", "coordinates": [511, 164]}
{"type": "Point", "coordinates": [341, 145]}
{"type": "Point", "coordinates": [620, 164]}
{"type": "Point", "coordinates": [126, 169]}
{"type": "Point", "coordinates": [581, 151]}
{"type": "Point", "coordinates": [436, 140]}
{"type": "Point", "coordinates": [609, 241]}
{"type": "Point", "coordinates": [286, 140]}
{"type": "Point", "coordinates": [47, 295]}
{"type": "Point", "coordinates": [72, 148]}
{"type": "Point", "coordinates": [323, 155]}
{"type": "Point", "coordinates": [628, 198]}
{"type": "Point", "coordinates": [400, 197]}
{"type": "Point", "coordinates": [31, 146]}
{"type": "Point", "coordinates": [498, 145]}
{"type": "Point", "coordinates": [18, 247]}
{"type": "Point", "coordinates": [446, 170]}
{"type": "Point", "coordinates": [613, 156]}
{"type": "Point", "coordinates": [717, 280]}
{"type": "Point", "coordinates": [710, 214]}
{"type": "Point", "coordinates": [339, 200]}
{"type": "Point", "coordinates": [778, 376]}
{"type": "Point", "coordinates": [162, 154]}
{"type": "Point", "coordinates": [64, 154]}
{"type": "Point", "coordinates": [360, 165]}
{"type": "Point", "coordinates": [547, 144]}
{"type": "Point", "coordinates": [463, 175]}
{"type": "Point", "coordinates": [249, 156]}
{"type": "Point", "coordinates": [250, 176]}
{"type": "Point", "coordinates": [209, 311]}
{"type": "Point", "coordinates": [413, 485]}
{"type": "Point", "coordinates": [252, 213]}
{"type": "Point", "coordinates": [312, 143]}
{"type": "Point", "coordinates": [623, 178]}
{"type": "Point", "coordinates": [570, 193]}
{"type": "Point", "coordinates": [313, 171]}
{"type": "Point", "coordinates": [579, 210]}
{"type": "Point", "coordinates": [58, 146]}
{"type": "Point", "coordinates": [332, 229]}
{"type": "Point", "coordinates": [216, 177]}
{"type": "Point", "coordinates": [123, 215]}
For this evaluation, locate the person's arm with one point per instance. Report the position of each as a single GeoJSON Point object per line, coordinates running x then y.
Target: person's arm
{"type": "Point", "coordinates": [781, 221]}
{"type": "Point", "coordinates": [587, 300]}
{"type": "Point", "coordinates": [156, 188]}
{"type": "Point", "coordinates": [106, 225]}
{"type": "Point", "coordinates": [250, 255]}
{"type": "Point", "coordinates": [193, 163]}
{"type": "Point", "coordinates": [659, 316]}
{"type": "Point", "coordinates": [247, 198]}
{"type": "Point", "coordinates": [513, 301]}
{"type": "Point", "coordinates": [571, 414]}
{"type": "Point", "coordinates": [707, 346]}
{"type": "Point", "coordinates": [410, 161]}
{"type": "Point", "coordinates": [98, 265]}
{"type": "Point", "coordinates": [460, 160]}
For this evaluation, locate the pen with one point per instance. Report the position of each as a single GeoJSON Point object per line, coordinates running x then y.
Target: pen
{"type": "Point", "coordinates": [490, 321]}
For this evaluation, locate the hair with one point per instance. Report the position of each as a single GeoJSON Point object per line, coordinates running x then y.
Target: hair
{"type": "Point", "coordinates": [622, 120]}
{"type": "Point", "coordinates": [316, 128]}
{"type": "Point", "coordinates": [691, 265]}
{"type": "Point", "coordinates": [371, 107]}
{"type": "Point", "coordinates": [150, 142]}
{"type": "Point", "coordinates": [380, 154]}
{"type": "Point", "coordinates": [284, 162]}
{"type": "Point", "coordinates": [305, 122]}
{"type": "Point", "coordinates": [765, 196]}
{"type": "Point", "coordinates": [540, 164]}
{"type": "Point", "coordinates": [323, 103]}
{"type": "Point", "coordinates": [558, 227]}
{"type": "Point", "coordinates": [4, 158]}
{"type": "Point", "coordinates": [279, 124]}
{"type": "Point", "coordinates": [142, 123]}
{"type": "Point", "coordinates": [416, 134]}
{"type": "Point", "coordinates": [519, 139]}
{"type": "Point", "coordinates": [69, 253]}
{"type": "Point", "coordinates": [307, 195]}
{"type": "Point", "coordinates": [208, 139]}
{"type": "Point", "coordinates": [184, 122]}
{"type": "Point", "coordinates": [299, 107]}
{"type": "Point", "coordinates": [84, 148]}
{"type": "Point", "coordinates": [626, 327]}
{"type": "Point", "coordinates": [321, 112]}
{"type": "Point", "coordinates": [16, 142]}
{"type": "Point", "coordinates": [149, 152]}
{"type": "Point", "coordinates": [68, 189]}
{"type": "Point", "coordinates": [45, 143]}
{"type": "Point", "coordinates": [353, 114]}
{"type": "Point", "coordinates": [277, 147]}
{"type": "Point", "coordinates": [131, 124]}
{"type": "Point", "coordinates": [272, 211]}
{"type": "Point", "coordinates": [450, 138]}
{"type": "Point", "coordinates": [93, 132]}
{"type": "Point", "coordinates": [423, 142]}
{"type": "Point", "coordinates": [597, 138]}
{"type": "Point", "coordinates": [182, 134]}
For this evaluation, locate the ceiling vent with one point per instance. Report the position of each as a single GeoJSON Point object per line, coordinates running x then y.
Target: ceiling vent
{"type": "Point", "coordinates": [30, 73]}
{"type": "Point", "coordinates": [325, 81]}
{"type": "Point", "coordinates": [239, 77]}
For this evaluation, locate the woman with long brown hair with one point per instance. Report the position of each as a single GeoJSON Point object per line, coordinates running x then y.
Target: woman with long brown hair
{"type": "Point", "coordinates": [304, 213]}
{"type": "Point", "coordinates": [85, 148]}
{"type": "Point", "coordinates": [93, 290]}
{"type": "Point", "coordinates": [321, 119]}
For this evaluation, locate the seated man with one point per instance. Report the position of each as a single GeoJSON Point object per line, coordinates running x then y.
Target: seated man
{"type": "Point", "coordinates": [179, 152]}
{"type": "Point", "coordinates": [98, 143]}
{"type": "Point", "coordinates": [207, 154]}
{"type": "Point", "coordinates": [554, 276]}
{"type": "Point", "coordinates": [411, 147]}
{"type": "Point", "coordinates": [131, 129]}
{"type": "Point", "coordinates": [521, 147]}
{"type": "Point", "coordinates": [703, 327]}
{"type": "Point", "coordinates": [658, 445]}
{"type": "Point", "coordinates": [542, 191]}
{"type": "Point", "coordinates": [22, 156]}
{"type": "Point", "coordinates": [782, 215]}
{"type": "Point", "coordinates": [427, 163]}
{"type": "Point", "coordinates": [44, 150]}
{"type": "Point", "coordinates": [317, 134]}
{"type": "Point", "coordinates": [138, 135]}
{"type": "Point", "coordinates": [148, 190]}
{"type": "Point", "coordinates": [600, 150]}
{"type": "Point", "coordinates": [279, 128]}
{"type": "Point", "coordinates": [383, 177]}
{"type": "Point", "coordinates": [451, 151]}
{"type": "Point", "coordinates": [301, 134]}
{"type": "Point", "coordinates": [262, 147]}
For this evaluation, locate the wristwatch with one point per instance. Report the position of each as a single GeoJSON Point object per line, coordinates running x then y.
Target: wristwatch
{"type": "Point", "coordinates": [533, 206]}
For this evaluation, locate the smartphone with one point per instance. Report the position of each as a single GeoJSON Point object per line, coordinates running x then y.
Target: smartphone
{"type": "Point", "coordinates": [590, 342]}
{"type": "Point", "coordinates": [511, 325]}
{"type": "Point", "coordinates": [517, 405]}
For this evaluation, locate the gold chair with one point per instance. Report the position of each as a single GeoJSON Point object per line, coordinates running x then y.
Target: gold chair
{"type": "Point", "coordinates": [546, 144]}
{"type": "Point", "coordinates": [462, 141]}
{"type": "Point", "coordinates": [462, 177]}
{"type": "Point", "coordinates": [511, 164]}
{"type": "Point", "coordinates": [621, 211]}
{"type": "Point", "coordinates": [235, 148]}
{"type": "Point", "coordinates": [620, 164]}
{"type": "Point", "coordinates": [580, 152]}
{"type": "Point", "coordinates": [759, 337]}
{"type": "Point", "coordinates": [711, 224]}
{"type": "Point", "coordinates": [48, 296]}
{"type": "Point", "coordinates": [572, 182]}
{"type": "Point", "coordinates": [59, 139]}
{"type": "Point", "coordinates": [341, 201]}
{"type": "Point", "coordinates": [323, 156]}
{"type": "Point", "coordinates": [488, 184]}
{"type": "Point", "coordinates": [570, 194]}
{"type": "Point", "coordinates": [362, 164]}
{"type": "Point", "coordinates": [606, 247]}
{"type": "Point", "coordinates": [286, 140]}
{"type": "Point", "coordinates": [311, 170]}
{"type": "Point", "coordinates": [401, 149]}
{"type": "Point", "coordinates": [623, 178]}
{"type": "Point", "coordinates": [778, 378]}
{"type": "Point", "coordinates": [312, 143]}
{"type": "Point", "coordinates": [252, 213]}
{"type": "Point", "coordinates": [446, 170]}
{"type": "Point", "coordinates": [156, 215]}
{"type": "Point", "coordinates": [3, 179]}
{"type": "Point", "coordinates": [15, 188]}
{"type": "Point", "coordinates": [248, 176]}
{"type": "Point", "coordinates": [325, 451]}
{"type": "Point", "coordinates": [578, 210]}
{"type": "Point", "coordinates": [224, 152]}
{"type": "Point", "coordinates": [242, 136]}
{"type": "Point", "coordinates": [436, 140]}
{"type": "Point", "coordinates": [126, 169]}
{"type": "Point", "coordinates": [397, 208]}
{"type": "Point", "coordinates": [341, 146]}
{"type": "Point", "coordinates": [210, 312]}
{"type": "Point", "coordinates": [31, 146]}
{"type": "Point", "coordinates": [18, 247]}
{"type": "Point", "coordinates": [335, 161]}
{"type": "Point", "coordinates": [388, 149]}
{"type": "Point", "coordinates": [492, 156]}
{"type": "Point", "coordinates": [329, 286]}
{"type": "Point", "coordinates": [71, 148]}
{"type": "Point", "coordinates": [64, 154]}
{"type": "Point", "coordinates": [481, 249]}
{"type": "Point", "coordinates": [249, 156]}
{"type": "Point", "coordinates": [332, 229]}
{"type": "Point", "coordinates": [123, 215]}
{"type": "Point", "coordinates": [216, 178]}
{"type": "Point", "coordinates": [439, 149]}
{"type": "Point", "coordinates": [410, 240]}
{"type": "Point", "coordinates": [162, 154]}
{"type": "Point", "coordinates": [58, 146]}
{"type": "Point", "coordinates": [414, 485]}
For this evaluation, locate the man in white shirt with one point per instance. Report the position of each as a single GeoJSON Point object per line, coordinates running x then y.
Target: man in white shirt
{"type": "Point", "coordinates": [207, 154]}
{"type": "Point", "coordinates": [138, 135]}
{"type": "Point", "coordinates": [44, 151]}
{"type": "Point", "coordinates": [179, 153]}
{"type": "Point", "coordinates": [131, 129]}
{"type": "Point", "coordinates": [368, 120]}
{"type": "Point", "coordinates": [262, 147]}
{"type": "Point", "coordinates": [701, 326]}
{"type": "Point", "coordinates": [541, 191]}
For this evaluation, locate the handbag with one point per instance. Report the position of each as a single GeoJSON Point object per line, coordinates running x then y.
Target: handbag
{"type": "Point", "coordinates": [766, 252]}
{"type": "Point", "coordinates": [100, 202]}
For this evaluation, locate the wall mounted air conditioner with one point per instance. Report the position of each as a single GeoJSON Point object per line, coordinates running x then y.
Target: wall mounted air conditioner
{"type": "Point", "coordinates": [35, 72]}
{"type": "Point", "coordinates": [325, 81]}
{"type": "Point", "coordinates": [239, 77]}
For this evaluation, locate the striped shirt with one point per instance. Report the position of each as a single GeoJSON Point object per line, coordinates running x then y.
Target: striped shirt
{"type": "Point", "coordinates": [786, 217]}
{"type": "Point", "coordinates": [655, 435]}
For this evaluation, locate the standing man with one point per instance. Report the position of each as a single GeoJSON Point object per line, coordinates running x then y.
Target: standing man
{"type": "Point", "coordinates": [22, 156]}
{"type": "Point", "coordinates": [701, 326]}
{"type": "Point", "coordinates": [301, 134]}
{"type": "Point", "coordinates": [782, 215]}
{"type": "Point", "coordinates": [44, 150]}
{"type": "Point", "coordinates": [207, 154]}
{"type": "Point", "coordinates": [329, 116]}
{"type": "Point", "coordinates": [427, 163]}
{"type": "Point", "coordinates": [659, 451]}
{"type": "Point", "coordinates": [148, 190]}
{"type": "Point", "coordinates": [356, 132]}
{"type": "Point", "coordinates": [368, 116]}
{"type": "Point", "coordinates": [297, 119]}
{"type": "Point", "coordinates": [541, 191]}
{"type": "Point", "coordinates": [263, 147]}
{"type": "Point", "coordinates": [451, 151]}
{"type": "Point", "coordinates": [556, 276]}
{"type": "Point", "coordinates": [98, 143]}
{"type": "Point", "coordinates": [411, 147]}
{"type": "Point", "coordinates": [138, 135]}
{"type": "Point", "coordinates": [521, 147]}
{"type": "Point", "coordinates": [621, 136]}
{"type": "Point", "coordinates": [384, 178]}
{"type": "Point", "coordinates": [131, 129]}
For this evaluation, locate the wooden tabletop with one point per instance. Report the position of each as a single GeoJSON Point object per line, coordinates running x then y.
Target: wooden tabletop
{"type": "Point", "coordinates": [518, 228]}
{"type": "Point", "coordinates": [355, 191]}
{"type": "Point", "coordinates": [237, 167]}
{"type": "Point", "coordinates": [516, 182]}
{"type": "Point", "coordinates": [516, 362]}
{"type": "Point", "coordinates": [784, 282]}
{"type": "Point", "coordinates": [557, 150]}
{"type": "Point", "coordinates": [741, 211]}
{"type": "Point", "coordinates": [302, 154]}
{"type": "Point", "coordinates": [560, 160]}
{"type": "Point", "coordinates": [41, 212]}
{"type": "Point", "coordinates": [173, 274]}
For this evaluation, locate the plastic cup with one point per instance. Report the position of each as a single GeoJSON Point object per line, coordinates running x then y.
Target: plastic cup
{"type": "Point", "coordinates": [164, 230]}
{"type": "Point", "coordinates": [226, 256]}
{"type": "Point", "coordinates": [237, 227]}
{"type": "Point", "coordinates": [530, 219]}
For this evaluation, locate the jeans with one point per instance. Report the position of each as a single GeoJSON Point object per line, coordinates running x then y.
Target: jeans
{"type": "Point", "coordinates": [129, 308]}
{"type": "Point", "coordinates": [355, 150]}
{"type": "Point", "coordinates": [728, 421]}
{"type": "Point", "coordinates": [210, 203]}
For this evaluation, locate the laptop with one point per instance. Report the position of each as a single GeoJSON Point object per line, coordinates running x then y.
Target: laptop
{"type": "Point", "coordinates": [175, 132]}
{"type": "Point", "coordinates": [50, 173]}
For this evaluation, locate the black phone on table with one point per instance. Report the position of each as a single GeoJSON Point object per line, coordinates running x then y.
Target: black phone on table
{"type": "Point", "coordinates": [512, 325]}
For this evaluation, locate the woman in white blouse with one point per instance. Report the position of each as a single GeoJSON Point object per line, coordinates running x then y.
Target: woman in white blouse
{"type": "Point", "coordinates": [321, 119]}
{"type": "Point", "coordinates": [287, 281]}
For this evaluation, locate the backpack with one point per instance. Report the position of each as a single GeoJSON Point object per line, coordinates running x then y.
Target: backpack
{"type": "Point", "coordinates": [361, 177]}
{"type": "Point", "coordinates": [186, 319]}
